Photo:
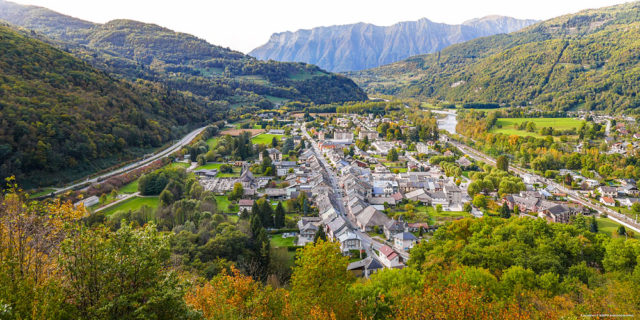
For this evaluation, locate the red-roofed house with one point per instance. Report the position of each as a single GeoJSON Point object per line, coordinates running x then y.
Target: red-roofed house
{"type": "Point", "coordinates": [389, 257]}
{"type": "Point", "coordinates": [608, 201]}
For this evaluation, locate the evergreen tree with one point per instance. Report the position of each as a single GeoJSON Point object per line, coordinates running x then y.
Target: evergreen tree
{"type": "Point", "coordinates": [287, 146]}
{"type": "Point", "coordinates": [279, 218]}
{"type": "Point", "coordinates": [622, 231]}
{"type": "Point", "coordinates": [255, 209]}
{"type": "Point", "coordinates": [505, 212]}
{"type": "Point", "coordinates": [320, 235]}
{"type": "Point", "coordinates": [244, 214]}
{"type": "Point", "coordinates": [266, 213]}
{"type": "Point", "coordinates": [593, 226]}
{"type": "Point", "coordinates": [392, 155]}
{"type": "Point", "coordinates": [274, 142]}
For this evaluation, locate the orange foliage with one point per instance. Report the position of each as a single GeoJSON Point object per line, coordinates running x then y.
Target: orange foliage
{"type": "Point", "coordinates": [236, 296]}
{"type": "Point", "coordinates": [30, 233]}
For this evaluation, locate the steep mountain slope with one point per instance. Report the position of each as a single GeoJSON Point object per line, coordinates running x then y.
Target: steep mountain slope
{"type": "Point", "coordinates": [61, 118]}
{"type": "Point", "coordinates": [139, 50]}
{"type": "Point", "coordinates": [589, 59]}
{"type": "Point", "coordinates": [361, 46]}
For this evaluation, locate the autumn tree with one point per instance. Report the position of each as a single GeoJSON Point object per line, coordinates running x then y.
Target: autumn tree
{"type": "Point", "coordinates": [321, 281]}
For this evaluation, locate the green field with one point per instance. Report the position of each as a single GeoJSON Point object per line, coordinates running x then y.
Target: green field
{"type": "Point", "coordinates": [265, 138]}
{"type": "Point", "coordinates": [223, 204]}
{"type": "Point", "coordinates": [132, 204]}
{"type": "Point", "coordinates": [210, 166]}
{"type": "Point", "coordinates": [607, 226]}
{"type": "Point", "coordinates": [278, 241]}
{"type": "Point", "coordinates": [509, 126]}
{"type": "Point", "coordinates": [130, 188]}
{"type": "Point", "coordinates": [213, 142]}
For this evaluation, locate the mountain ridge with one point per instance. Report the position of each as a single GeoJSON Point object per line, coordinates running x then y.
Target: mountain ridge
{"type": "Point", "coordinates": [136, 50]}
{"type": "Point", "coordinates": [588, 59]}
{"type": "Point", "coordinates": [363, 45]}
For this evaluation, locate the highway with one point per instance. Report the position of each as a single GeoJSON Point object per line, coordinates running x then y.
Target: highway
{"type": "Point", "coordinates": [164, 153]}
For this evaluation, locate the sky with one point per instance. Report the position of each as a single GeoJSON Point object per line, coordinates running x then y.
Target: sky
{"type": "Point", "coordinates": [246, 24]}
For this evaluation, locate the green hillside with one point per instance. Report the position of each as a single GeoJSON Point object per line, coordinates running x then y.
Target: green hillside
{"type": "Point", "coordinates": [137, 50]}
{"type": "Point", "coordinates": [588, 60]}
{"type": "Point", "coordinates": [61, 118]}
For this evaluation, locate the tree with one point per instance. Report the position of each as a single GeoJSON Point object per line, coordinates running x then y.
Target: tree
{"type": "Point", "coordinates": [274, 142]}
{"type": "Point", "coordinates": [438, 208]}
{"type": "Point", "coordinates": [287, 146]}
{"type": "Point", "coordinates": [593, 225]}
{"type": "Point", "coordinates": [504, 211]}
{"type": "Point", "coordinates": [467, 207]}
{"type": "Point", "coordinates": [502, 163]}
{"type": "Point", "coordinates": [166, 198]}
{"type": "Point", "coordinates": [480, 201]}
{"type": "Point", "coordinates": [258, 264]}
{"type": "Point", "coordinates": [103, 198]}
{"type": "Point", "coordinates": [237, 192]}
{"type": "Point", "coordinates": [392, 155]}
{"type": "Point", "coordinates": [320, 235]}
{"type": "Point", "coordinates": [622, 231]}
{"type": "Point", "coordinates": [122, 273]}
{"type": "Point", "coordinates": [279, 217]}
{"type": "Point", "coordinates": [320, 281]}
{"type": "Point", "coordinates": [266, 212]}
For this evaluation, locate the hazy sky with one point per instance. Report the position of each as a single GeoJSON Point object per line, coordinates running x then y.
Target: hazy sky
{"type": "Point", "coordinates": [245, 24]}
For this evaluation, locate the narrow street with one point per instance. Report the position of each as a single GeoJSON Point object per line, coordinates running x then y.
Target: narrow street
{"type": "Point", "coordinates": [368, 243]}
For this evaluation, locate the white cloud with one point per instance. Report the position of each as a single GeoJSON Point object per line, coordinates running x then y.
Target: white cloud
{"type": "Point", "coordinates": [245, 24]}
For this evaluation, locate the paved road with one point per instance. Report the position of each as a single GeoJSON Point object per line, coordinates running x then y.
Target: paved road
{"type": "Point", "coordinates": [368, 243]}
{"type": "Point", "coordinates": [127, 197]}
{"type": "Point", "coordinates": [572, 194]}
{"type": "Point", "coordinates": [164, 153]}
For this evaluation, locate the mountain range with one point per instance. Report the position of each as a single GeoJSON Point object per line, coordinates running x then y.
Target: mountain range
{"type": "Point", "coordinates": [78, 97]}
{"type": "Point", "coordinates": [363, 46]}
{"type": "Point", "coordinates": [588, 60]}
{"type": "Point", "coordinates": [136, 50]}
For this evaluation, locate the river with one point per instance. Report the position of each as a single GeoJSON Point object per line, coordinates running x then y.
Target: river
{"type": "Point", "coordinates": [449, 122]}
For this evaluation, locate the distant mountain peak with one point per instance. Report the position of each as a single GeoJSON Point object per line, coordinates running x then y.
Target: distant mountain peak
{"type": "Point", "coordinates": [363, 45]}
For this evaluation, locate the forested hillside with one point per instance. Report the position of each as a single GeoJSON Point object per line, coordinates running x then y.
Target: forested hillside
{"type": "Point", "coordinates": [137, 50]}
{"type": "Point", "coordinates": [588, 59]}
{"type": "Point", "coordinates": [61, 118]}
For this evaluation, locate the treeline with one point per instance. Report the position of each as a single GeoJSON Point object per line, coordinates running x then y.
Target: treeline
{"type": "Point", "coordinates": [546, 154]}
{"type": "Point", "coordinates": [62, 119]}
{"type": "Point", "coordinates": [75, 268]}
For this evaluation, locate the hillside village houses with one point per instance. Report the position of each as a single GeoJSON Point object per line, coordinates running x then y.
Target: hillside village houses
{"type": "Point", "coordinates": [366, 188]}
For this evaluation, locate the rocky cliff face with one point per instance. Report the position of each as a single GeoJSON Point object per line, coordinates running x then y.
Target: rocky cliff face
{"type": "Point", "coordinates": [362, 46]}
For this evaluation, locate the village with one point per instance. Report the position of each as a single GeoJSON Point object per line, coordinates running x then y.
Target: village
{"type": "Point", "coordinates": [380, 200]}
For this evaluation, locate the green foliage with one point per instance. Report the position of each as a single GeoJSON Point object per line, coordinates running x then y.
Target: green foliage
{"type": "Point", "coordinates": [211, 73]}
{"type": "Point", "coordinates": [62, 116]}
{"type": "Point", "coordinates": [154, 183]}
{"type": "Point", "coordinates": [122, 274]}
{"type": "Point", "coordinates": [563, 63]}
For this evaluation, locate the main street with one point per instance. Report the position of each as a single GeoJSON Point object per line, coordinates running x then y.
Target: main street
{"type": "Point", "coordinates": [368, 243]}
{"type": "Point", "coordinates": [130, 167]}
